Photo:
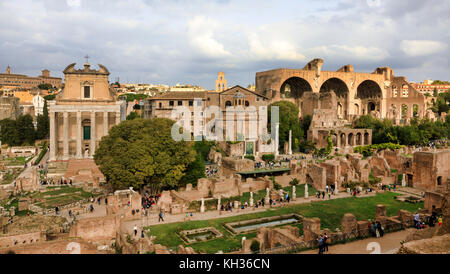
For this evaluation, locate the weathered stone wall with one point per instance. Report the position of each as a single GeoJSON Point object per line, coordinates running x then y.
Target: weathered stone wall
{"type": "Point", "coordinates": [21, 239]}
{"type": "Point", "coordinates": [96, 229]}
{"type": "Point", "coordinates": [318, 175]}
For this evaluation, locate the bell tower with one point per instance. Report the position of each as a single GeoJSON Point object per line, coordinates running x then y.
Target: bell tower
{"type": "Point", "coordinates": [221, 82]}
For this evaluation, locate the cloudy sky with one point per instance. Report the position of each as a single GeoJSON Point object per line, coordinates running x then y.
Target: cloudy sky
{"type": "Point", "coordinates": [176, 41]}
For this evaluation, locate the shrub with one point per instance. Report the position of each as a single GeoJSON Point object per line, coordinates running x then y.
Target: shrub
{"type": "Point", "coordinates": [294, 182]}
{"type": "Point", "coordinates": [268, 157]}
{"type": "Point", "coordinates": [251, 157]}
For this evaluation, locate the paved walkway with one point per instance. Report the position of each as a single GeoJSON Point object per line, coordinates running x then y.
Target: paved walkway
{"type": "Point", "coordinates": [388, 244]}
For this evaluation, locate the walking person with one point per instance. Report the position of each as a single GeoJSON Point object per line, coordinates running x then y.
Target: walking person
{"type": "Point", "coordinates": [325, 242]}
{"type": "Point", "coordinates": [135, 231]}
{"type": "Point", "coordinates": [160, 216]}
{"type": "Point", "coordinates": [320, 240]}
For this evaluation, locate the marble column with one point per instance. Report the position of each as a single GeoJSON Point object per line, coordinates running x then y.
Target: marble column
{"type": "Point", "coordinates": [52, 136]}
{"type": "Point", "coordinates": [79, 135]}
{"type": "Point", "coordinates": [277, 128]}
{"type": "Point", "coordinates": [294, 194]}
{"type": "Point", "coordinates": [306, 191]}
{"type": "Point", "coordinates": [251, 199]}
{"type": "Point", "coordinates": [266, 200]}
{"type": "Point", "coordinates": [336, 188]}
{"type": "Point", "coordinates": [66, 136]}
{"type": "Point", "coordinates": [290, 142]}
{"type": "Point", "coordinates": [93, 134]}
{"type": "Point", "coordinates": [105, 123]}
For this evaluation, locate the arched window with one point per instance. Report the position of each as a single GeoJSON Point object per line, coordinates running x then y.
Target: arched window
{"type": "Point", "coordinates": [247, 103]}
{"type": "Point", "coordinates": [228, 103]}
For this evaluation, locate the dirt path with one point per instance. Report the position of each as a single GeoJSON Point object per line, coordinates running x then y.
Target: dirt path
{"type": "Point", "coordinates": [388, 244]}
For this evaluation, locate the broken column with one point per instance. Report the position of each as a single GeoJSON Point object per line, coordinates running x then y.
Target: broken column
{"type": "Point", "coordinates": [266, 200]}
{"type": "Point", "coordinates": [349, 224]}
{"type": "Point", "coordinates": [202, 207]}
{"type": "Point", "coordinates": [336, 190]}
{"type": "Point", "coordinates": [218, 203]}
{"type": "Point", "coordinates": [403, 180]}
{"type": "Point", "coordinates": [306, 191]}
{"type": "Point", "coordinates": [251, 199]}
{"type": "Point", "coordinates": [294, 195]}
{"type": "Point", "coordinates": [277, 127]}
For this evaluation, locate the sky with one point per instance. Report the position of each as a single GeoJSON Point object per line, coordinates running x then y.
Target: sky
{"type": "Point", "coordinates": [189, 42]}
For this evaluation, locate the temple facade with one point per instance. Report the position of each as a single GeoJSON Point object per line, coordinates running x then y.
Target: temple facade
{"type": "Point", "coordinates": [82, 113]}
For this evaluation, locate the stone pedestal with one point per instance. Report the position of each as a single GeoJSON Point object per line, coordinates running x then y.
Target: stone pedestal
{"type": "Point", "coordinates": [380, 211]}
{"type": "Point", "coordinates": [12, 211]}
{"type": "Point", "coordinates": [294, 195]}
{"type": "Point", "coordinates": [202, 207]}
{"type": "Point", "coordinates": [218, 204]}
{"type": "Point", "coordinates": [236, 204]}
{"type": "Point", "coordinates": [306, 191]}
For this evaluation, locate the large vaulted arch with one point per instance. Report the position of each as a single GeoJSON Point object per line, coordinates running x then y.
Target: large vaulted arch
{"type": "Point", "coordinates": [341, 90]}
{"type": "Point", "coordinates": [294, 87]}
{"type": "Point", "coordinates": [370, 94]}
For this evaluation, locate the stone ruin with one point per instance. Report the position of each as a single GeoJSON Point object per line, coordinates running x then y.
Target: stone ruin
{"type": "Point", "coordinates": [287, 238]}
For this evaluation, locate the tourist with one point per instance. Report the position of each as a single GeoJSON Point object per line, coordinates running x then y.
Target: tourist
{"type": "Point", "coordinates": [380, 229]}
{"type": "Point", "coordinates": [326, 188]}
{"type": "Point", "coordinates": [56, 210]}
{"type": "Point", "coordinates": [91, 208]}
{"type": "Point", "coordinates": [106, 201]}
{"type": "Point", "coordinates": [440, 221]}
{"type": "Point", "coordinates": [329, 195]}
{"type": "Point", "coordinates": [135, 230]}
{"type": "Point", "coordinates": [377, 231]}
{"type": "Point", "coordinates": [142, 234]}
{"type": "Point", "coordinates": [288, 198]}
{"type": "Point", "coordinates": [98, 200]}
{"type": "Point", "coordinates": [325, 243]}
{"type": "Point", "coordinates": [160, 216]}
{"type": "Point", "coordinates": [416, 219]}
{"type": "Point", "coordinates": [323, 194]}
{"type": "Point", "coordinates": [320, 240]}
{"type": "Point", "coordinates": [270, 201]}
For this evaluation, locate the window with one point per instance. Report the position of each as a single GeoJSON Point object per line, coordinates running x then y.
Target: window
{"type": "Point", "coordinates": [191, 103]}
{"type": "Point", "coordinates": [87, 92]}
{"type": "Point", "coordinates": [180, 103]}
{"type": "Point", "coordinates": [171, 103]}
{"type": "Point", "coordinates": [87, 132]}
{"type": "Point", "coordinates": [228, 103]}
{"type": "Point", "coordinates": [199, 103]}
{"type": "Point", "coordinates": [160, 105]}
{"type": "Point", "coordinates": [247, 103]}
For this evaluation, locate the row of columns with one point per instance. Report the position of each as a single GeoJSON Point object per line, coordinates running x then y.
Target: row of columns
{"type": "Point", "coordinates": [79, 133]}
{"type": "Point", "coordinates": [353, 141]}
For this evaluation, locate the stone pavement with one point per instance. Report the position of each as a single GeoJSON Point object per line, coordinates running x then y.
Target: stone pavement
{"type": "Point", "coordinates": [388, 244]}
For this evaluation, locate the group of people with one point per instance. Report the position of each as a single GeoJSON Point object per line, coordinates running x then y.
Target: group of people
{"type": "Point", "coordinates": [431, 221]}
{"type": "Point", "coordinates": [376, 229]}
{"type": "Point", "coordinates": [211, 171]}
{"type": "Point", "coordinates": [58, 182]}
{"type": "Point", "coordinates": [329, 190]}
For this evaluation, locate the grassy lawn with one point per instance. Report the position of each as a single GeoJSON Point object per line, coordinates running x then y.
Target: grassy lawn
{"type": "Point", "coordinates": [17, 161]}
{"type": "Point", "coordinates": [329, 211]}
{"type": "Point", "coordinates": [62, 196]}
{"type": "Point", "coordinates": [8, 177]}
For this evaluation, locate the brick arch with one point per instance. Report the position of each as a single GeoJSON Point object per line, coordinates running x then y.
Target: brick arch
{"type": "Point", "coordinates": [297, 85]}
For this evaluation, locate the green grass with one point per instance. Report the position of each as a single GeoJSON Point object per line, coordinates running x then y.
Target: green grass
{"type": "Point", "coordinates": [9, 177]}
{"type": "Point", "coordinates": [329, 211]}
{"type": "Point", "coordinates": [17, 161]}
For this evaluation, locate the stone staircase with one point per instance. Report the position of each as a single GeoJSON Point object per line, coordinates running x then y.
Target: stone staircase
{"type": "Point", "coordinates": [82, 170]}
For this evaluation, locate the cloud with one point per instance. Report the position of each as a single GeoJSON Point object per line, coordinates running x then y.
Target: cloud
{"type": "Point", "coordinates": [201, 32]}
{"type": "Point", "coordinates": [421, 47]}
{"type": "Point", "coordinates": [272, 49]}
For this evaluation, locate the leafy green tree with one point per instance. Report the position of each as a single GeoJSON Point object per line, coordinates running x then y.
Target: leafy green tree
{"type": "Point", "coordinates": [43, 124]}
{"type": "Point", "coordinates": [45, 86]}
{"type": "Point", "coordinates": [25, 129]}
{"type": "Point", "coordinates": [9, 133]}
{"type": "Point", "coordinates": [305, 123]}
{"type": "Point", "coordinates": [50, 97]}
{"type": "Point", "coordinates": [194, 171]}
{"type": "Point", "coordinates": [288, 119]}
{"type": "Point", "coordinates": [141, 152]}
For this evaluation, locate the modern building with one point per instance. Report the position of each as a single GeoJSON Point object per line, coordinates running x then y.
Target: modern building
{"type": "Point", "coordinates": [23, 81]}
{"type": "Point", "coordinates": [82, 113]}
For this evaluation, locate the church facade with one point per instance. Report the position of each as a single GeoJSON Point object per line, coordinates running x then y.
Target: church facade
{"type": "Point", "coordinates": [82, 113]}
